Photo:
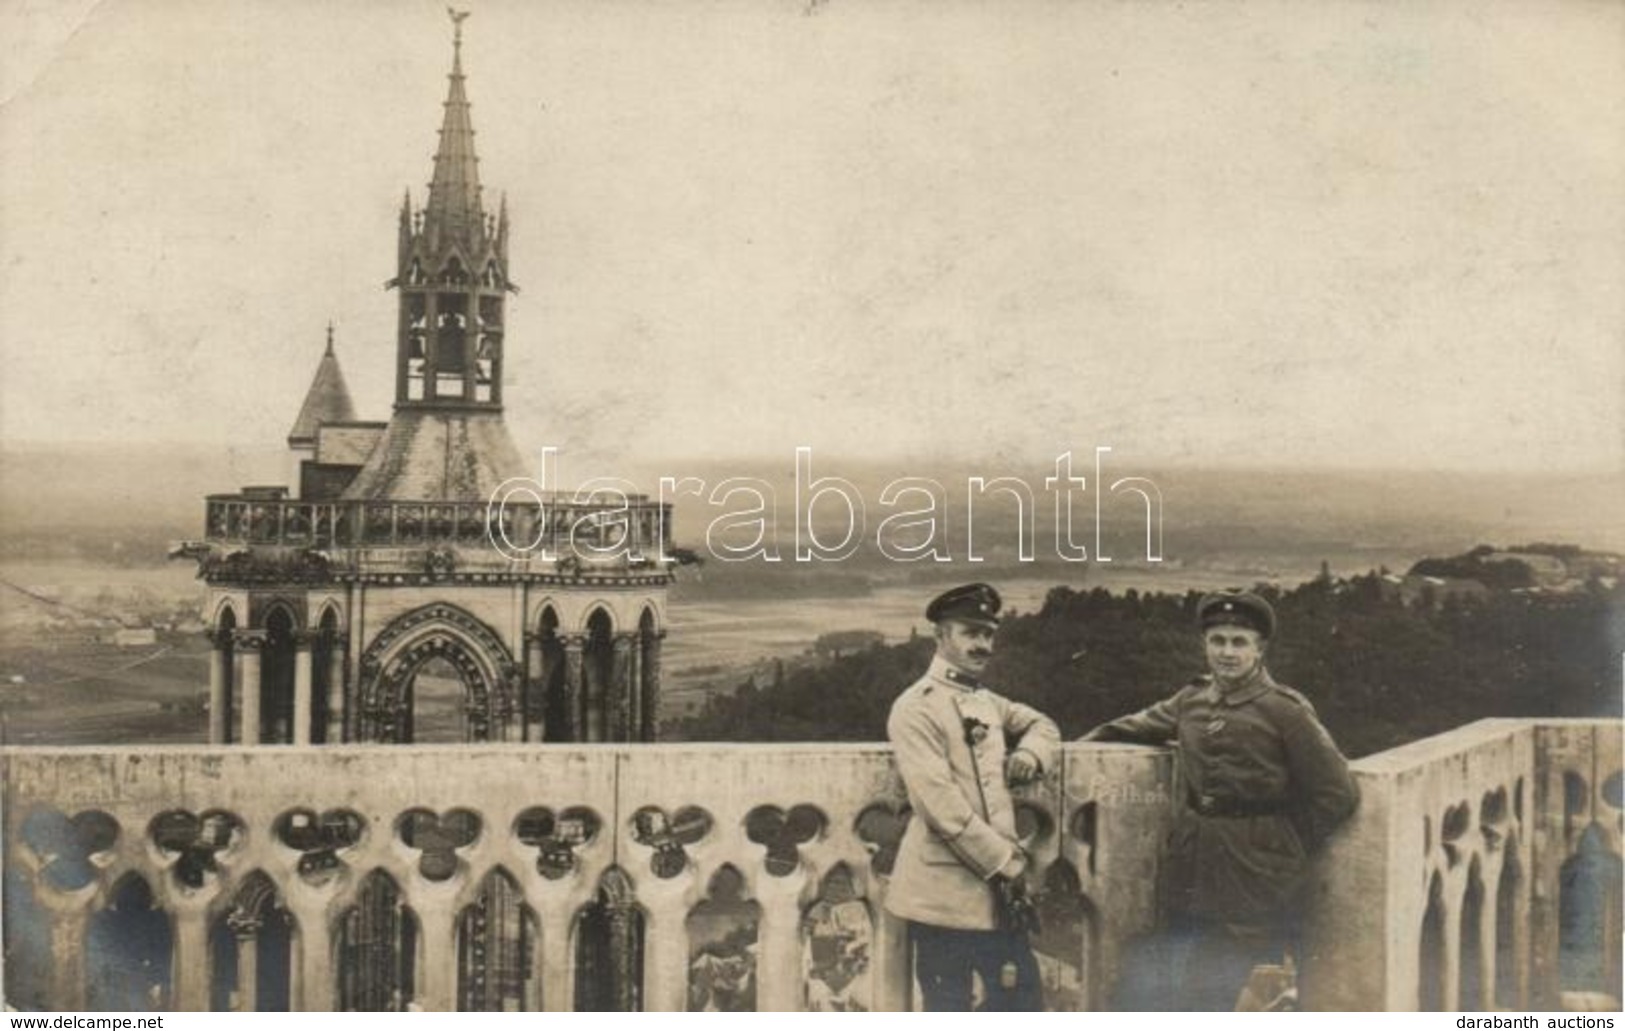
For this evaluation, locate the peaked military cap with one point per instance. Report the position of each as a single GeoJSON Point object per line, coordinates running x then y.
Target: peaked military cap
{"type": "Point", "coordinates": [1237, 608]}
{"type": "Point", "coordinates": [974, 603]}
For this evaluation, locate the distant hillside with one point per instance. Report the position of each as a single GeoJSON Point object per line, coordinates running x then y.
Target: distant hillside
{"type": "Point", "coordinates": [1380, 672]}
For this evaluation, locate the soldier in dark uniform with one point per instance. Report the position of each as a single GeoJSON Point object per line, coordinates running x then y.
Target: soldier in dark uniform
{"type": "Point", "coordinates": [1262, 785]}
{"type": "Point", "coordinates": [959, 747]}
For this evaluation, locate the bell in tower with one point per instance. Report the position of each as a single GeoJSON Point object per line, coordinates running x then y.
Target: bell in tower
{"type": "Point", "coordinates": [452, 274]}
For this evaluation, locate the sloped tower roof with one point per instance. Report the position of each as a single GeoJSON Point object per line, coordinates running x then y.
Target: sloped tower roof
{"type": "Point", "coordinates": [327, 400]}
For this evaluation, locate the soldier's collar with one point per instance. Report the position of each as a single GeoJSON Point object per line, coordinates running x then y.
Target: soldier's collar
{"type": "Point", "coordinates": [1260, 683]}
{"type": "Point", "coordinates": [942, 671]}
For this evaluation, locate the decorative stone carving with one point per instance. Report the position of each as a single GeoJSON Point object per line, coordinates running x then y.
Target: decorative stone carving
{"type": "Point", "coordinates": [438, 837]}
{"type": "Point", "coordinates": [880, 827]}
{"type": "Point", "coordinates": [319, 839]}
{"type": "Point", "coordinates": [194, 841]}
{"type": "Point", "coordinates": [557, 837]}
{"type": "Point", "coordinates": [783, 834]}
{"type": "Point", "coordinates": [70, 850]}
{"type": "Point", "coordinates": [668, 836]}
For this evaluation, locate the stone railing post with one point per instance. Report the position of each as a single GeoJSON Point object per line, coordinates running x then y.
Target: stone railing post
{"type": "Point", "coordinates": [534, 705]}
{"type": "Point", "coordinates": [248, 674]}
{"type": "Point", "coordinates": [665, 944]}
{"type": "Point", "coordinates": [316, 982]}
{"type": "Point", "coordinates": [192, 959]}
{"type": "Point", "coordinates": [69, 927]}
{"type": "Point", "coordinates": [335, 691]}
{"type": "Point", "coordinates": [779, 982]}
{"type": "Point", "coordinates": [218, 702]}
{"type": "Point", "coordinates": [620, 689]}
{"type": "Point", "coordinates": [302, 702]}
{"type": "Point", "coordinates": [893, 963]}
{"type": "Point", "coordinates": [246, 931]}
{"type": "Point", "coordinates": [555, 961]}
{"type": "Point", "coordinates": [437, 981]}
{"type": "Point", "coordinates": [649, 704]}
{"type": "Point", "coordinates": [574, 700]}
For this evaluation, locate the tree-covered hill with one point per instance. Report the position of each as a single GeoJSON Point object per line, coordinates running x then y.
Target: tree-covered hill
{"type": "Point", "coordinates": [1380, 672]}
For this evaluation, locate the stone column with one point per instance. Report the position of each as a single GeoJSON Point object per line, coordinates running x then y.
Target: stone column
{"type": "Point", "coordinates": [650, 705]}
{"type": "Point", "coordinates": [437, 980]}
{"type": "Point", "coordinates": [248, 658]}
{"type": "Point", "coordinates": [665, 946]}
{"type": "Point", "coordinates": [218, 703]}
{"type": "Point", "coordinates": [246, 929]}
{"type": "Point", "coordinates": [192, 956]}
{"type": "Point", "coordinates": [513, 714]}
{"type": "Point", "coordinates": [1450, 961]}
{"type": "Point", "coordinates": [574, 696]}
{"type": "Point", "coordinates": [779, 980]}
{"type": "Point", "coordinates": [893, 965]}
{"type": "Point", "coordinates": [335, 691]}
{"type": "Point", "coordinates": [620, 689]}
{"type": "Point", "coordinates": [622, 951]}
{"type": "Point", "coordinates": [68, 980]}
{"type": "Point", "coordinates": [634, 688]}
{"type": "Point", "coordinates": [535, 701]}
{"type": "Point", "coordinates": [302, 707]}
{"type": "Point", "coordinates": [555, 959]}
{"type": "Point", "coordinates": [317, 977]}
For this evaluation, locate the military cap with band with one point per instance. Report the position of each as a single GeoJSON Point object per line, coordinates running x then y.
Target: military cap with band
{"type": "Point", "coordinates": [1237, 608]}
{"type": "Point", "coordinates": [972, 603]}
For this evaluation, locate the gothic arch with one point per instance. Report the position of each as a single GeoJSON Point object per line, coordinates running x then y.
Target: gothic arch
{"type": "Point", "coordinates": [650, 618]}
{"type": "Point", "coordinates": [224, 723]}
{"type": "Point", "coordinates": [129, 950]}
{"type": "Point", "coordinates": [281, 624]}
{"type": "Point", "coordinates": [328, 607]}
{"type": "Point", "coordinates": [551, 701]}
{"type": "Point", "coordinates": [594, 611]}
{"type": "Point", "coordinates": [387, 668]}
{"type": "Point", "coordinates": [376, 952]}
{"type": "Point", "coordinates": [645, 686]}
{"type": "Point", "coordinates": [1431, 950]}
{"type": "Point", "coordinates": [251, 943]}
{"type": "Point", "coordinates": [498, 938]}
{"type": "Point", "coordinates": [837, 942]}
{"type": "Point", "coordinates": [598, 674]}
{"type": "Point", "coordinates": [326, 672]}
{"type": "Point", "coordinates": [609, 934]}
{"type": "Point", "coordinates": [1511, 916]}
{"type": "Point", "coordinates": [723, 933]}
{"type": "Point", "coordinates": [226, 606]}
{"type": "Point", "coordinates": [1470, 995]}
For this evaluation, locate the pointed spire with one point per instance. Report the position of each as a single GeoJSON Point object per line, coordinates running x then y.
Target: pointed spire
{"type": "Point", "coordinates": [453, 210]}
{"type": "Point", "coordinates": [328, 399]}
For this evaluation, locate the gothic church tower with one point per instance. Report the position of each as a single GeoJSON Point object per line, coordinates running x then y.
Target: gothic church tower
{"type": "Point", "coordinates": [367, 601]}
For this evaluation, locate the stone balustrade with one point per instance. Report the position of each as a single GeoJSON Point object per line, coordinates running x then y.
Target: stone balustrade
{"type": "Point", "coordinates": [1480, 872]}
{"type": "Point", "coordinates": [640, 526]}
{"type": "Point", "coordinates": [670, 877]}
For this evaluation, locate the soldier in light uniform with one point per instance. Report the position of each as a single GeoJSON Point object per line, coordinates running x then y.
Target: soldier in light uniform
{"type": "Point", "coordinates": [958, 747]}
{"type": "Point", "coordinates": [1262, 785]}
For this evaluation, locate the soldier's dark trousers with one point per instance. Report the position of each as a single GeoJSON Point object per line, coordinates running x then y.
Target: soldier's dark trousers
{"type": "Point", "coordinates": [946, 957]}
{"type": "Point", "coordinates": [1194, 965]}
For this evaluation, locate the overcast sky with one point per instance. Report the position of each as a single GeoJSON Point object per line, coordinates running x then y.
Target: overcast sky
{"type": "Point", "coordinates": [1340, 234]}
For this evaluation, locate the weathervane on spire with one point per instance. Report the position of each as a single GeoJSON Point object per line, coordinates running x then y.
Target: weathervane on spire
{"type": "Point", "coordinates": [457, 18]}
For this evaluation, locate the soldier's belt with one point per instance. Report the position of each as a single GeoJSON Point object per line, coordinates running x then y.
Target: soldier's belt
{"type": "Point", "coordinates": [1228, 808]}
